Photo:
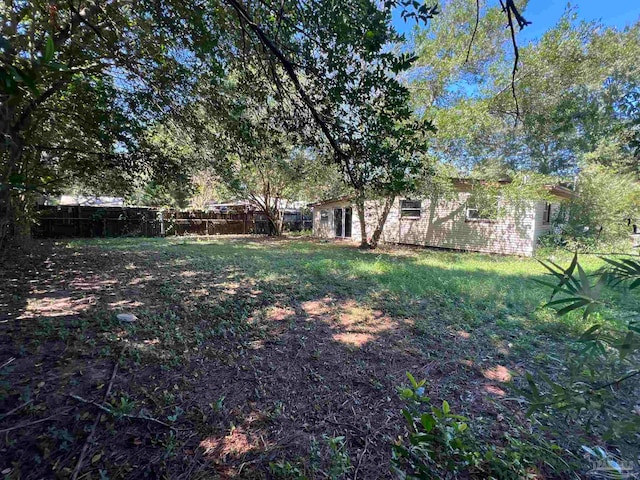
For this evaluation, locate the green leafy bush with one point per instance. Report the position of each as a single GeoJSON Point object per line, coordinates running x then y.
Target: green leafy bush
{"type": "Point", "coordinates": [598, 216]}
{"type": "Point", "coordinates": [600, 383]}
{"type": "Point", "coordinates": [440, 444]}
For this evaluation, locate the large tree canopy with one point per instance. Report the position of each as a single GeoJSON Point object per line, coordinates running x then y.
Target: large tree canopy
{"type": "Point", "coordinates": [577, 93]}
{"type": "Point", "coordinates": [81, 82]}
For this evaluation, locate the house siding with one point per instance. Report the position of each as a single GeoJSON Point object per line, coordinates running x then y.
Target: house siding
{"type": "Point", "coordinates": [443, 224]}
{"type": "Point", "coordinates": [542, 228]}
{"type": "Point", "coordinates": [327, 229]}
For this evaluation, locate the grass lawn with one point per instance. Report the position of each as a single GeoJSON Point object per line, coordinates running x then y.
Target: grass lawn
{"type": "Point", "coordinates": [251, 353]}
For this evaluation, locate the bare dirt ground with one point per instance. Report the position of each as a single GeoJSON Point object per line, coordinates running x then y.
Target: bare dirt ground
{"type": "Point", "coordinates": [235, 364]}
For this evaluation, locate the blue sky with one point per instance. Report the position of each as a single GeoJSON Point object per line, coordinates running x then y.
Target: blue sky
{"type": "Point", "coordinates": [545, 13]}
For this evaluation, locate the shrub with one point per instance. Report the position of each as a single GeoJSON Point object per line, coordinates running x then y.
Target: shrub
{"type": "Point", "coordinates": [600, 383]}
{"type": "Point", "coordinates": [599, 214]}
{"type": "Point", "coordinates": [440, 444]}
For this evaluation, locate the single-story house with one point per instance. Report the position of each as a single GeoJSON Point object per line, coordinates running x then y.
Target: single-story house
{"type": "Point", "coordinates": [452, 223]}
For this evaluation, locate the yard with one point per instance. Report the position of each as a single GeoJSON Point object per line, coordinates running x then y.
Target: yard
{"type": "Point", "coordinates": [252, 357]}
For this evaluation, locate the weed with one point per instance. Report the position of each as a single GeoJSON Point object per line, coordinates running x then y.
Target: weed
{"type": "Point", "coordinates": [63, 437]}
{"type": "Point", "coordinates": [170, 444]}
{"type": "Point", "coordinates": [177, 412]}
{"type": "Point", "coordinates": [285, 470]}
{"type": "Point", "coordinates": [123, 406]}
{"type": "Point", "coordinates": [339, 460]}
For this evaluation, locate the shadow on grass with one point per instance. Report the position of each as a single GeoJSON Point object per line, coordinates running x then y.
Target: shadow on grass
{"type": "Point", "coordinates": [253, 350]}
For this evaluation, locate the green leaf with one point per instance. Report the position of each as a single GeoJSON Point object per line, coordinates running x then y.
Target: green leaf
{"type": "Point", "coordinates": [584, 280]}
{"type": "Point", "coordinates": [587, 335]}
{"type": "Point", "coordinates": [428, 422]}
{"type": "Point", "coordinates": [445, 407]}
{"type": "Point", "coordinates": [49, 50]}
{"type": "Point", "coordinates": [17, 179]}
{"type": "Point", "coordinates": [409, 418]}
{"type": "Point", "coordinates": [574, 306]}
{"type": "Point", "coordinates": [556, 288]}
{"type": "Point", "coordinates": [532, 385]}
{"type": "Point", "coordinates": [57, 66]}
{"type": "Point", "coordinates": [626, 347]}
{"type": "Point", "coordinates": [412, 380]}
{"type": "Point", "coordinates": [23, 76]}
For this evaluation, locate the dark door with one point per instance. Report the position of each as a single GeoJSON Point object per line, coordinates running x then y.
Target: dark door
{"type": "Point", "coordinates": [337, 219]}
{"type": "Point", "coordinates": [347, 222]}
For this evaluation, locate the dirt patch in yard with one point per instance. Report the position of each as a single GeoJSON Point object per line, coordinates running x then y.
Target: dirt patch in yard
{"type": "Point", "coordinates": [243, 370]}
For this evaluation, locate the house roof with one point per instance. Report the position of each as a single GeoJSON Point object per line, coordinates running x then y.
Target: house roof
{"type": "Point", "coordinates": [331, 200]}
{"type": "Point", "coordinates": [557, 189]}
{"type": "Point", "coordinates": [560, 191]}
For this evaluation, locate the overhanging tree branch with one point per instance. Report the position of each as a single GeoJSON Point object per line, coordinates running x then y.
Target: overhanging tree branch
{"type": "Point", "coordinates": [291, 73]}
{"type": "Point", "coordinates": [475, 30]}
{"type": "Point", "coordinates": [511, 10]}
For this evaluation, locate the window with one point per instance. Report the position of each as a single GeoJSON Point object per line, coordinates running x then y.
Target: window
{"type": "Point", "coordinates": [482, 206]}
{"type": "Point", "coordinates": [546, 216]}
{"type": "Point", "coordinates": [410, 208]}
{"type": "Point", "coordinates": [324, 216]}
{"type": "Point", "coordinates": [475, 214]}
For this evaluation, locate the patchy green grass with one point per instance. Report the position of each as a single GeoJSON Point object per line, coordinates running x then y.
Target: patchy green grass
{"type": "Point", "coordinates": [264, 357]}
{"type": "Point", "coordinates": [471, 290]}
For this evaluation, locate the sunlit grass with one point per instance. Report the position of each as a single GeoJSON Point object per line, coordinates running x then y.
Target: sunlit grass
{"type": "Point", "coordinates": [468, 288]}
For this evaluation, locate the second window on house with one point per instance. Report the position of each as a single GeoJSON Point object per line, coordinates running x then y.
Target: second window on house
{"type": "Point", "coordinates": [410, 208]}
{"type": "Point", "coordinates": [481, 206]}
{"type": "Point", "coordinates": [480, 214]}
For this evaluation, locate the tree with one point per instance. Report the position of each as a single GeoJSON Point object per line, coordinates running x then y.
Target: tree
{"type": "Point", "coordinates": [343, 72]}
{"type": "Point", "coordinates": [605, 206]}
{"type": "Point", "coordinates": [575, 81]}
{"type": "Point", "coordinates": [239, 138]}
{"type": "Point", "coordinates": [138, 61]}
{"type": "Point", "coordinates": [575, 91]}
{"type": "Point", "coordinates": [79, 82]}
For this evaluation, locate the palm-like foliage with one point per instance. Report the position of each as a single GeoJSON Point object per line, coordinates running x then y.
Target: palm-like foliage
{"type": "Point", "coordinates": [575, 291]}
{"type": "Point", "coordinates": [598, 374]}
{"type": "Point", "coordinates": [621, 271]}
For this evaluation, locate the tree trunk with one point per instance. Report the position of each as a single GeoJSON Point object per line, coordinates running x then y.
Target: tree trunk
{"type": "Point", "coordinates": [13, 154]}
{"type": "Point", "coordinates": [280, 225]}
{"type": "Point", "coordinates": [364, 242]}
{"type": "Point", "coordinates": [6, 224]}
{"type": "Point", "coordinates": [377, 233]}
{"type": "Point", "coordinates": [15, 222]}
{"type": "Point", "coordinates": [276, 219]}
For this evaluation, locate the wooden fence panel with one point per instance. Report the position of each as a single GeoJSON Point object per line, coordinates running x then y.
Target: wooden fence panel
{"type": "Point", "coordinates": [85, 221]}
